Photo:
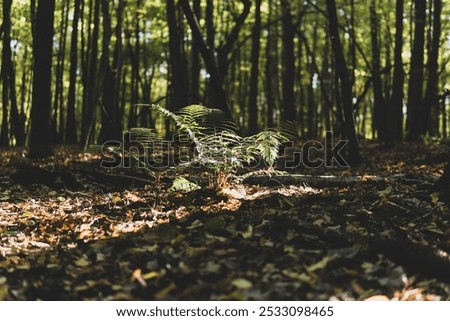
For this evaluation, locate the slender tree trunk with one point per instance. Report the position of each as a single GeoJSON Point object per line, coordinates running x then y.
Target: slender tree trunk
{"type": "Point", "coordinates": [415, 124]}
{"type": "Point", "coordinates": [288, 62]}
{"type": "Point", "coordinates": [217, 92]}
{"type": "Point", "coordinates": [327, 86]}
{"type": "Point", "coordinates": [345, 86]}
{"type": "Point", "coordinates": [88, 123]}
{"type": "Point", "coordinates": [71, 123]}
{"type": "Point", "coordinates": [117, 67]}
{"type": "Point", "coordinates": [4, 134]}
{"type": "Point", "coordinates": [379, 121]}
{"type": "Point", "coordinates": [216, 60]}
{"type": "Point", "coordinates": [135, 56]}
{"type": "Point", "coordinates": [57, 126]}
{"type": "Point", "coordinates": [178, 61]}
{"type": "Point", "coordinates": [253, 95]}
{"type": "Point", "coordinates": [42, 50]}
{"type": "Point", "coordinates": [312, 117]}
{"type": "Point", "coordinates": [6, 63]}
{"type": "Point", "coordinates": [108, 131]}
{"type": "Point", "coordinates": [431, 102]}
{"type": "Point", "coordinates": [195, 63]}
{"type": "Point", "coordinates": [271, 69]}
{"type": "Point", "coordinates": [8, 78]}
{"type": "Point", "coordinates": [443, 185]}
{"type": "Point", "coordinates": [395, 123]}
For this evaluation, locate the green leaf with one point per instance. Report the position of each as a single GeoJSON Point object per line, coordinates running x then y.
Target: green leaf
{"type": "Point", "coordinates": [242, 284]}
{"type": "Point", "coordinates": [181, 184]}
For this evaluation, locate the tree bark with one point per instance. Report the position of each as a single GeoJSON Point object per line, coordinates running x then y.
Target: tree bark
{"type": "Point", "coordinates": [345, 86]}
{"type": "Point", "coordinates": [195, 62]}
{"type": "Point", "coordinates": [395, 123]}
{"type": "Point", "coordinates": [380, 117]}
{"type": "Point", "coordinates": [415, 124]}
{"type": "Point", "coordinates": [40, 110]}
{"type": "Point", "coordinates": [216, 68]}
{"type": "Point", "coordinates": [443, 185]}
{"type": "Point", "coordinates": [253, 95]}
{"type": "Point", "coordinates": [288, 62]}
{"type": "Point", "coordinates": [91, 89]}
{"type": "Point", "coordinates": [8, 78]}
{"type": "Point", "coordinates": [178, 61]}
{"type": "Point", "coordinates": [71, 122]}
{"type": "Point", "coordinates": [57, 121]}
{"type": "Point", "coordinates": [109, 113]}
{"type": "Point", "coordinates": [431, 102]}
{"type": "Point", "coordinates": [271, 69]}
{"type": "Point", "coordinates": [217, 93]}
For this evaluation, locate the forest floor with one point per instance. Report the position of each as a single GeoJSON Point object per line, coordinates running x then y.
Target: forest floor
{"type": "Point", "coordinates": [68, 231]}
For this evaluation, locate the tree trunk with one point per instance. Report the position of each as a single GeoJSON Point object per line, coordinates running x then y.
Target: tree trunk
{"type": "Point", "coordinates": [117, 66]}
{"type": "Point", "coordinates": [443, 185]}
{"type": "Point", "coordinates": [195, 62]}
{"type": "Point", "coordinates": [379, 121]}
{"type": "Point", "coordinates": [8, 78]}
{"type": "Point", "coordinates": [431, 102]}
{"type": "Point", "coordinates": [415, 124]}
{"type": "Point", "coordinates": [177, 58]}
{"type": "Point", "coordinates": [288, 62]}
{"type": "Point", "coordinates": [40, 110]}
{"type": "Point", "coordinates": [216, 68]}
{"type": "Point", "coordinates": [57, 123]}
{"type": "Point", "coordinates": [345, 86]}
{"type": "Point", "coordinates": [253, 95]}
{"type": "Point", "coordinates": [88, 121]}
{"type": "Point", "coordinates": [395, 122]}
{"type": "Point", "coordinates": [6, 63]}
{"type": "Point", "coordinates": [271, 69]}
{"type": "Point", "coordinates": [217, 92]}
{"type": "Point", "coordinates": [326, 87]}
{"type": "Point", "coordinates": [71, 123]}
{"type": "Point", "coordinates": [108, 131]}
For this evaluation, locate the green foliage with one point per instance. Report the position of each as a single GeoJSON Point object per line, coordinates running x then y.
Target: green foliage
{"type": "Point", "coordinates": [265, 145]}
{"type": "Point", "coordinates": [181, 184]}
{"type": "Point", "coordinates": [217, 147]}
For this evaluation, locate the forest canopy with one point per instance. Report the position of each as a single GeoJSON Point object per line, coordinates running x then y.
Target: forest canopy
{"type": "Point", "coordinates": [374, 69]}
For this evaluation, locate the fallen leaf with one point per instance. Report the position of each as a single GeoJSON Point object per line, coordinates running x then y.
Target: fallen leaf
{"type": "Point", "coordinates": [302, 277]}
{"type": "Point", "coordinates": [151, 275]}
{"type": "Point", "coordinates": [378, 298]}
{"type": "Point", "coordinates": [82, 262]}
{"type": "Point", "coordinates": [385, 192]}
{"type": "Point", "coordinates": [247, 234]}
{"type": "Point", "coordinates": [137, 276]}
{"type": "Point", "coordinates": [321, 264]}
{"type": "Point", "coordinates": [164, 293]}
{"type": "Point", "coordinates": [242, 284]}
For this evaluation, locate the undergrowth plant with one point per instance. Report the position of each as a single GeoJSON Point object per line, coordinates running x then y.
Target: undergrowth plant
{"type": "Point", "coordinates": [214, 143]}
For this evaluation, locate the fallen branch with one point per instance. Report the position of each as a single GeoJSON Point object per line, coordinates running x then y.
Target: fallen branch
{"type": "Point", "coordinates": [334, 181]}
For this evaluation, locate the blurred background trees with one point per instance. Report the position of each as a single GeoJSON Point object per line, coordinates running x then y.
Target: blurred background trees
{"type": "Point", "coordinates": [374, 69]}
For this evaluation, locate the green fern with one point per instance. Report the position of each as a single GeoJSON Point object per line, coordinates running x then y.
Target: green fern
{"type": "Point", "coordinates": [216, 144]}
{"type": "Point", "coordinates": [210, 120]}
{"type": "Point", "coordinates": [264, 145]}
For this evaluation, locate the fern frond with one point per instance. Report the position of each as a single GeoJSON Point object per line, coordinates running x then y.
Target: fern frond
{"type": "Point", "coordinates": [289, 129]}
{"type": "Point", "coordinates": [265, 145]}
{"type": "Point", "coordinates": [209, 119]}
{"type": "Point", "coordinates": [143, 135]}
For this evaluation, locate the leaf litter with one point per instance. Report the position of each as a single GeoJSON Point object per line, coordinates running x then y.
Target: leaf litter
{"type": "Point", "coordinates": [101, 237]}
